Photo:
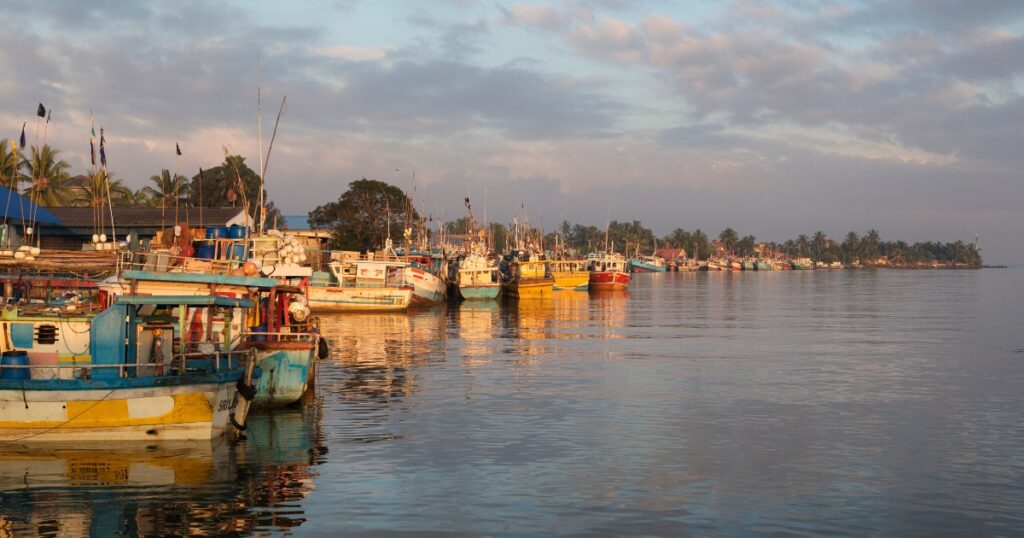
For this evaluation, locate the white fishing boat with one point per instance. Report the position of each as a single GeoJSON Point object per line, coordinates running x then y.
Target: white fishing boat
{"type": "Point", "coordinates": [362, 286]}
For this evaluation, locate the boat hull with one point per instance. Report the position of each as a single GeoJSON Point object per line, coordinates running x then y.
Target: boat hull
{"type": "Point", "coordinates": [125, 409]}
{"type": "Point", "coordinates": [287, 372]}
{"type": "Point", "coordinates": [427, 288]}
{"type": "Point", "coordinates": [609, 280]}
{"type": "Point", "coordinates": [482, 292]}
{"type": "Point", "coordinates": [326, 299]}
{"type": "Point", "coordinates": [639, 266]}
{"type": "Point", "coordinates": [530, 288]}
{"type": "Point", "coordinates": [571, 280]}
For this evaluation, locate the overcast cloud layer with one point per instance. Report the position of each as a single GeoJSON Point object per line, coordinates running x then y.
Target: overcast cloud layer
{"type": "Point", "coordinates": [775, 118]}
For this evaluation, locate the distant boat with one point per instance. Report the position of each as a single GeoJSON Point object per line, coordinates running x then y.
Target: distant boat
{"type": "Point", "coordinates": [570, 274]}
{"type": "Point", "coordinates": [362, 286]}
{"type": "Point", "coordinates": [801, 264]}
{"type": "Point", "coordinates": [648, 264]}
{"type": "Point", "coordinates": [762, 265]}
{"type": "Point", "coordinates": [477, 278]}
{"type": "Point", "coordinates": [747, 265]}
{"type": "Point", "coordinates": [608, 271]}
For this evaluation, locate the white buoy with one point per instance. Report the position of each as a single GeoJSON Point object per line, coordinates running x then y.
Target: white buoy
{"type": "Point", "coordinates": [28, 231]}
{"type": "Point", "coordinates": [20, 255]}
{"type": "Point", "coordinates": [103, 238]}
{"type": "Point", "coordinates": [35, 251]}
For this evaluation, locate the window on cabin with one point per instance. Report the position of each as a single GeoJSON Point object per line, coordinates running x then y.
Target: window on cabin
{"type": "Point", "coordinates": [46, 334]}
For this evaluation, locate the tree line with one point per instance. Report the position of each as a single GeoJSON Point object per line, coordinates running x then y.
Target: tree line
{"type": "Point", "coordinates": [363, 214]}
{"type": "Point", "coordinates": [43, 175]}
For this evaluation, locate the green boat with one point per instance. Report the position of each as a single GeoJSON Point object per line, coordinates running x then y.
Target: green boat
{"type": "Point", "coordinates": [762, 265]}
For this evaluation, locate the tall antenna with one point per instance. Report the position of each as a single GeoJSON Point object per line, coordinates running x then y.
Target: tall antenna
{"type": "Point", "coordinates": [259, 130]}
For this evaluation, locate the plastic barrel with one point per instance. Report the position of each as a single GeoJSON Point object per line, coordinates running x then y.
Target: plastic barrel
{"type": "Point", "coordinates": [14, 358]}
{"type": "Point", "coordinates": [238, 252]}
{"type": "Point", "coordinates": [216, 232]}
{"type": "Point", "coordinates": [205, 251]}
{"type": "Point", "coordinates": [237, 232]}
{"type": "Point", "coordinates": [258, 329]}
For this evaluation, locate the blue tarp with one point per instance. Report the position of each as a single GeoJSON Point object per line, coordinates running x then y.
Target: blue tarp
{"type": "Point", "coordinates": [14, 206]}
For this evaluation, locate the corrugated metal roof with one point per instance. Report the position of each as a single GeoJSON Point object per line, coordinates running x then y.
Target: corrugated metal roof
{"type": "Point", "coordinates": [17, 207]}
{"type": "Point", "coordinates": [144, 217]}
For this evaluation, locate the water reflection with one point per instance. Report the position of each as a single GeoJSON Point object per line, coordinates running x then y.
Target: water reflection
{"type": "Point", "coordinates": [168, 488]}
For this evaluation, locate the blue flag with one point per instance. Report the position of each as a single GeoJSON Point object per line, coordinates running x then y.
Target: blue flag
{"type": "Point", "coordinates": [23, 136]}
{"type": "Point", "coordinates": [92, 152]}
{"type": "Point", "coordinates": [103, 157]}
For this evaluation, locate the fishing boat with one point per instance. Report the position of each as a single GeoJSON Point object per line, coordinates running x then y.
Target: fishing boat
{"type": "Point", "coordinates": [526, 276]}
{"type": "Point", "coordinates": [428, 288]}
{"type": "Point", "coordinates": [116, 374]}
{"type": "Point", "coordinates": [648, 264]}
{"type": "Point", "coordinates": [361, 286]}
{"type": "Point", "coordinates": [477, 277]}
{"type": "Point", "coordinates": [608, 271]}
{"type": "Point", "coordinates": [278, 327]}
{"type": "Point", "coordinates": [570, 274]}
{"type": "Point", "coordinates": [801, 264]}
{"type": "Point", "coordinates": [712, 265]}
{"type": "Point", "coordinates": [762, 265]}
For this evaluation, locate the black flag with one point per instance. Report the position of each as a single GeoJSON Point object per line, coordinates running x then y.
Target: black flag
{"type": "Point", "coordinates": [41, 111]}
{"type": "Point", "coordinates": [22, 136]}
{"type": "Point", "coordinates": [92, 152]}
{"type": "Point", "coordinates": [177, 148]}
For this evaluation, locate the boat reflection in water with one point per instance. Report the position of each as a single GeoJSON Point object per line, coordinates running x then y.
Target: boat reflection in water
{"type": "Point", "coordinates": [377, 352]}
{"type": "Point", "coordinates": [179, 488]}
{"type": "Point", "coordinates": [477, 324]}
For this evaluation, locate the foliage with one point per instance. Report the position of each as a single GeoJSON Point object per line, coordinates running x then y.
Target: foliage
{"type": "Point", "coordinates": [232, 184]}
{"type": "Point", "coordinates": [46, 175]}
{"type": "Point", "coordinates": [364, 216]}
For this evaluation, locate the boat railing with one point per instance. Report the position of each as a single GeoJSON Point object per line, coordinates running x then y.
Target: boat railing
{"type": "Point", "coordinates": [161, 261]}
{"type": "Point", "coordinates": [259, 337]}
{"type": "Point", "coordinates": [180, 364]}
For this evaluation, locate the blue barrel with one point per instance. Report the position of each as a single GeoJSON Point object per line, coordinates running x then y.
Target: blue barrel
{"type": "Point", "coordinates": [216, 232]}
{"type": "Point", "coordinates": [258, 329]}
{"type": "Point", "coordinates": [205, 251]}
{"type": "Point", "coordinates": [238, 252]}
{"type": "Point", "coordinates": [14, 358]}
{"type": "Point", "coordinates": [237, 232]}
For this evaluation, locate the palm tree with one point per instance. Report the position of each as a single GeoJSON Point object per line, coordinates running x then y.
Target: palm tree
{"type": "Point", "coordinates": [728, 237]}
{"type": "Point", "coordinates": [818, 243]}
{"type": "Point", "coordinates": [8, 163]}
{"type": "Point", "coordinates": [167, 192]}
{"type": "Point", "coordinates": [92, 191]}
{"type": "Point", "coordinates": [47, 176]}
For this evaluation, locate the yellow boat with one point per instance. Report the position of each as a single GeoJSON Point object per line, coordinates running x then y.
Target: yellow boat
{"type": "Point", "coordinates": [528, 279]}
{"type": "Point", "coordinates": [570, 274]}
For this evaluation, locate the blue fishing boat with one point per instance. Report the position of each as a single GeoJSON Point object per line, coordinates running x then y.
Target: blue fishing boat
{"type": "Point", "coordinates": [278, 327]}
{"type": "Point", "coordinates": [129, 382]}
{"type": "Point", "coordinates": [647, 264]}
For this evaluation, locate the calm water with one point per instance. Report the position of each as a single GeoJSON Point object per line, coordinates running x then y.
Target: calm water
{"type": "Point", "coordinates": [808, 403]}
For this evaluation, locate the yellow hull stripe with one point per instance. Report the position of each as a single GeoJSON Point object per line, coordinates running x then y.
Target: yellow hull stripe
{"type": "Point", "coordinates": [156, 410]}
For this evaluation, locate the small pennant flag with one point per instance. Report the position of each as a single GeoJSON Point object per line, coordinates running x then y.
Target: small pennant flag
{"type": "Point", "coordinates": [41, 111]}
{"type": "Point", "coordinates": [22, 136]}
{"type": "Point", "coordinates": [103, 148]}
{"type": "Point", "coordinates": [92, 138]}
{"type": "Point", "coordinates": [177, 148]}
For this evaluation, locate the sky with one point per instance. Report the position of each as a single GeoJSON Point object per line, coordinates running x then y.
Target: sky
{"type": "Point", "coordinates": [771, 117]}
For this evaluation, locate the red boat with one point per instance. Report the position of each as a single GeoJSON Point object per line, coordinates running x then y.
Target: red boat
{"type": "Point", "coordinates": [608, 272]}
